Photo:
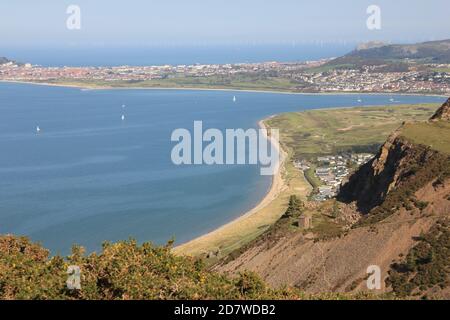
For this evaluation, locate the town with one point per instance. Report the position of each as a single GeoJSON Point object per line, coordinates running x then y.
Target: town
{"type": "Point", "coordinates": [308, 77]}
{"type": "Point", "coordinates": [332, 171]}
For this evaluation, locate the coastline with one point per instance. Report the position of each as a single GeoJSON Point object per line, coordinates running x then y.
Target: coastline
{"type": "Point", "coordinates": [253, 222]}
{"type": "Point", "coordinates": [248, 224]}
{"type": "Point", "coordinates": [254, 218]}
{"type": "Point", "coordinates": [88, 88]}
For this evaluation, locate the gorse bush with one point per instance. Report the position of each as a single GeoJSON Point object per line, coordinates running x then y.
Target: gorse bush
{"type": "Point", "coordinates": [427, 264]}
{"type": "Point", "coordinates": [295, 207]}
{"type": "Point", "coordinates": [124, 270]}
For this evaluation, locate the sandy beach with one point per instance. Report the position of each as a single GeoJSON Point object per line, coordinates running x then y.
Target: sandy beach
{"type": "Point", "coordinates": [237, 232]}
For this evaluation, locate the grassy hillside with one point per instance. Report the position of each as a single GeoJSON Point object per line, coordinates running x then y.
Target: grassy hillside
{"type": "Point", "coordinates": [428, 52]}
{"type": "Point", "coordinates": [364, 129]}
{"type": "Point", "coordinates": [433, 134]}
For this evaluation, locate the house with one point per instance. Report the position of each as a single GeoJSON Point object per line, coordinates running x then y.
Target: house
{"type": "Point", "coordinates": [323, 159]}
{"type": "Point", "coordinates": [323, 171]}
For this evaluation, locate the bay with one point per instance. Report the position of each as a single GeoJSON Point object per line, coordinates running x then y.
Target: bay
{"type": "Point", "coordinates": [90, 176]}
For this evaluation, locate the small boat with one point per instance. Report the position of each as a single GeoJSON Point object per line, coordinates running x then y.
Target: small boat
{"type": "Point", "coordinates": [123, 106]}
{"type": "Point", "coordinates": [359, 100]}
{"type": "Point", "coordinates": [38, 129]}
{"type": "Point", "coordinates": [391, 100]}
{"type": "Point", "coordinates": [123, 117]}
{"type": "Point", "coordinates": [234, 98]}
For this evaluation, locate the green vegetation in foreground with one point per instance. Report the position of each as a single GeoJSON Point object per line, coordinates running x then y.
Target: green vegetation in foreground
{"type": "Point", "coordinates": [426, 265]}
{"type": "Point", "coordinates": [125, 270]}
{"type": "Point", "coordinates": [329, 131]}
{"type": "Point", "coordinates": [436, 134]}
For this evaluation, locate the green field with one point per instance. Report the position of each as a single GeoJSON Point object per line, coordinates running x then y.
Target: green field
{"type": "Point", "coordinates": [363, 129]}
{"type": "Point", "coordinates": [441, 70]}
{"type": "Point", "coordinates": [433, 134]}
{"type": "Point", "coordinates": [237, 82]}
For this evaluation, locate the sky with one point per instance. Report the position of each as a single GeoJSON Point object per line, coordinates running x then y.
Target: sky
{"type": "Point", "coordinates": [31, 23]}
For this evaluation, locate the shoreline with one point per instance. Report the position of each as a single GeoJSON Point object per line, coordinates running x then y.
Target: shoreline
{"type": "Point", "coordinates": [237, 229]}
{"type": "Point", "coordinates": [89, 88]}
{"type": "Point", "coordinates": [203, 243]}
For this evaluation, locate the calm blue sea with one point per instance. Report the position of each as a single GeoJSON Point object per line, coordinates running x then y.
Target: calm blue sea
{"type": "Point", "coordinates": [90, 177]}
{"type": "Point", "coordinates": [175, 55]}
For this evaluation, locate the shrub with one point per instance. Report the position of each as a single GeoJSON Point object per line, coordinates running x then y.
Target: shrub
{"type": "Point", "coordinates": [124, 270]}
{"type": "Point", "coordinates": [426, 265]}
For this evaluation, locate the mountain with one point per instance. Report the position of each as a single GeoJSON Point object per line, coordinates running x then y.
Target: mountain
{"type": "Point", "coordinates": [396, 209]}
{"type": "Point", "coordinates": [376, 53]}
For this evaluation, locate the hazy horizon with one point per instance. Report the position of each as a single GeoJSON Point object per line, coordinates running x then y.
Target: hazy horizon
{"type": "Point", "coordinates": [211, 23]}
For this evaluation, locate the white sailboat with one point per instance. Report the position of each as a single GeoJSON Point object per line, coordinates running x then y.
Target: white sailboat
{"type": "Point", "coordinates": [123, 117]}
{"type": "Point", "coordinates": [234, 98]}
{"type": "Point", "coordinates": [38, 129]}
{"type": "Point", "coordinates": [359, 100]}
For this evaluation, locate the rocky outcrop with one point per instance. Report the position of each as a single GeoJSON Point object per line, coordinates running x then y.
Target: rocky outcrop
{"type": "Point", "coordinates": [395, 165]}
{"type": "Point", "coordinates": [402, 193]}
{"type": "Point", "coordinates": [443, 113]}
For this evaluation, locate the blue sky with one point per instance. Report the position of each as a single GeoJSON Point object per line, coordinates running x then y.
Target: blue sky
{"type": "Point", "coordinates": [194, 22]}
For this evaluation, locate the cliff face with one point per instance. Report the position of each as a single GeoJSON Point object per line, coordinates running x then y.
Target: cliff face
{"type": "Point", "coordinates": [400, 165]}
{"type": "Point", "coordinates": [396, 165]}
{"type": "Point", "coordinates": [402, 194]}
{"type": "Point", "coordinates": [443, 113]}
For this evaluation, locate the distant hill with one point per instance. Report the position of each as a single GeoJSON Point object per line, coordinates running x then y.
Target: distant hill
{"type": "Point", "coordinates": [4, 60]}
{"type": "Point", "coordinates": [376, 53]}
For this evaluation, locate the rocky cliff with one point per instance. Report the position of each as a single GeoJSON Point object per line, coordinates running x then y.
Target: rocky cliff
{"type": "Point", "coordinates": [443, 113]}
{"type": "Point", "coordinates": [401, 196]}
{"type": "Point", "coordinates": [399, 170]}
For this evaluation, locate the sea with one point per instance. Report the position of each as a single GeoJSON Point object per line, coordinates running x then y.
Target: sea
{"type": "Point", "coordinates": [82, 56]}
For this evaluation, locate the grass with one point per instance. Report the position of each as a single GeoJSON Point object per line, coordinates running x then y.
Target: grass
{"type": "Point", "coordinates": [313, 180]}
{"type": "Point", "coordinates": [324, 225]}
{"type": "Point", "coordinates": [362, 129]}
{"type": "Point", "coordinates": [238, 82]}
{"type": "Point", "coordinates": [441, 70]}
{"type": "Point", "coordinates": [436, 135]}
